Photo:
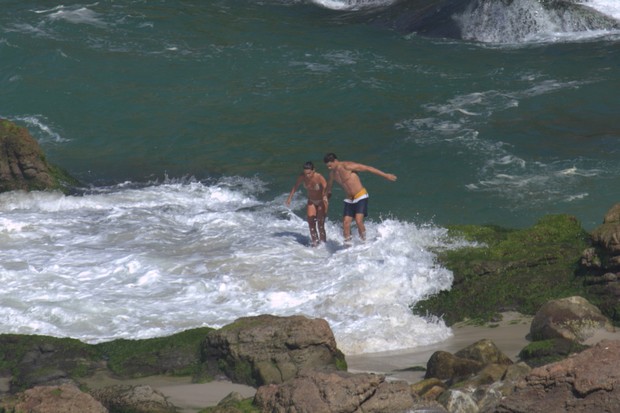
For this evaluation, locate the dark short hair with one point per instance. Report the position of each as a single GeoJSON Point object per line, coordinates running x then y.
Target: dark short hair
{"type": "Point", "coordinates": [309, 165]}
{"type": "Point", "coordinates": [330, 157]}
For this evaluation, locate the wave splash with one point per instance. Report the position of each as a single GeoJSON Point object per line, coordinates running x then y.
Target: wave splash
{"type": "Point", "coordinates": [138, 262]}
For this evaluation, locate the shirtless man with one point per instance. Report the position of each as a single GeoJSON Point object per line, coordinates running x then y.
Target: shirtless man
{"type": "Point", "coordinates": [316, 185]}
{"type": "Point", "coordinates": [356, 203]}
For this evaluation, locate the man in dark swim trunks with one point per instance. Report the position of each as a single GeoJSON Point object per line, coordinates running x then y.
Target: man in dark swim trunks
{"type": "Point", "coordinates": [315, 184]}
{"type": "Point", "coordinates": [356, 203]}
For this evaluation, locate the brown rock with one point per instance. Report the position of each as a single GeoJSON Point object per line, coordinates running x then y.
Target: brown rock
{"type": "Point", "coordinates": [269, 349]}
{"type": "Point", "coordinates": [485, 351]}
{"type": "Point", "coordinates": [444, 366]}
{"type": "Point", "coordinates": [572, 318]}
{"type": "Point", "coordinates": [584, 383]}
{"type": "Point", "coordinates": [334, 392]}
{"type": "Point", "coordinates": [135, 399]}
{"type": "Point", "coordinates": [54, 399]}
{"type": "Point", "coordinates": [22, 162]}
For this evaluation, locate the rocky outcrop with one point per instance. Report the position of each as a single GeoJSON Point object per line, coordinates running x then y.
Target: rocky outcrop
{"type": "Point", "coordinates": [466, 362]}
{"type": "Point", "coordinates": [23, 165]}
{"type": "Point", "coordinates": [53, 399]}
{"type": "Point", "coordinates": [268, 349]}
{"type": "Point", "coordinates": [572, 318]}
{"type": "Point", "coordinates": [600, 264]}
{"type": "Point", "coordinates": [41, 360]}
{"type": "Point", "coordinates": [135, 399]}
{"type": "Point", "coordinates": [604, 255]}
{"type": "Point", "coordinates": [334, 392]}
{"type": "Point", "coordinates": [586, 382]}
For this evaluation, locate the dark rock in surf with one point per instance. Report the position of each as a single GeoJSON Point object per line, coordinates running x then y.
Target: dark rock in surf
{"type": "Point", "coordinates": [499, 21]}
{"type": "Point", "coordinates": [23, 165]}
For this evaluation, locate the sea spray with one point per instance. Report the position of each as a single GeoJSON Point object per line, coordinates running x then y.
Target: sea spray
{"type": "Point", "coordinates": [130, 262]}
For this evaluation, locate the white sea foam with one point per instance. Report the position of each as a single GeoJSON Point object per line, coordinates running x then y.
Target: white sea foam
{"type": "Point", "coordinates": [39, 126]}
{"type": "Point", "coordinates": [144, 262]}
{"type": "Point", "coordinates": [79, 15]}
{"type": "Point", "coordinates": [608, 7]}
{"type": "Point", "coordinates": [352, 4]}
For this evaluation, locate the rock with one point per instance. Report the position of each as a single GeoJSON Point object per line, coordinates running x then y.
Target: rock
{"type": "Point", "coordinates": [23, 165]}
{"type": "Point", "coordinates": [516, 372]}
{"type": "Point", "coordinates": [53, 399]}
{"type": "Point", "coordinates": [446, 366]}
{"type": "Point", "coordinates": [42, 360]}
{"type": "Point", "coordinates": [465, 363]}
{"type": "Point", "coordinates": [269, 349]}
{"type": "Point", "coordinates": [336, 391]}
{"type": "Point", "coordinates": [613, 215]}
{"type": "Point", "coordinates": [429, 389]}
{"type": "Point", "coordinates": [572, 318]}
{"type": "Point", "coordinates": [135, 399]}
{"type": "Point", "coordinates": [542, 352]}
{"type": "Point", "coordinates": [485, 351]}
{"type": "Point", "coordinates": [457, 401]}
{"type": "Point", "coordinates": [584, 383]}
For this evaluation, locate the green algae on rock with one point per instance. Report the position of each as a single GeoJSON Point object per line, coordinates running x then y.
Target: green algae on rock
{"type": "Point", "coordinates": [509, 269]}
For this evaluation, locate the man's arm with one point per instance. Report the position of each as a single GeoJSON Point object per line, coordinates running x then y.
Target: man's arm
{"type": "Point", "coordinates": [330, 183]}
{"type": "Point", "coordinates": [360, 167]}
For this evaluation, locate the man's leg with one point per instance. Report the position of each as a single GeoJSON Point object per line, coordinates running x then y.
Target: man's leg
{"type": "Point", "coordinates": [346, 227]}
{"type": "Point", "coordinates": [359, 221]}
{"type": "Point", "coordinates": [320, 216]}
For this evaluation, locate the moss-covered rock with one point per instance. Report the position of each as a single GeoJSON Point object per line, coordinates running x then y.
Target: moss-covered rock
{"type": "Point", "coordinates": [510, 269]}
{"type": "Point", "coordinates": [178, 354]}
{"type": "Point", "coordinates": [34, 360]}
{"type": "Point", "coordinates": [539, 353]}
{"type": "Point", "coordinates": [23, 165]}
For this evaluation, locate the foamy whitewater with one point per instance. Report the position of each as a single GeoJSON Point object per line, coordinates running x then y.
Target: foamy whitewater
{"type": "Point", "coordinates": [151, 261]}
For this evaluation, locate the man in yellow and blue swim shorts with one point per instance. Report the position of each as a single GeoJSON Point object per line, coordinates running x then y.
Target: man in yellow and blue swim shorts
{"type": "Point", "coordinates": [356, 203]}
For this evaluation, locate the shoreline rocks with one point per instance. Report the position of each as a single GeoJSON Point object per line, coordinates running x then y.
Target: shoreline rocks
{"type": "Point", "coordinates": [23, 165]}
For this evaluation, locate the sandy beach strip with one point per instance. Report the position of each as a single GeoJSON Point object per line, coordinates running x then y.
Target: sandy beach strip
{"type": "Point", "coordinates": [509, 335]}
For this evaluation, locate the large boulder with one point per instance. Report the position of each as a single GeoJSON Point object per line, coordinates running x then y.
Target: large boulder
{"type": "Point", "coordinates": [334, 392]}
{"type": "Point", "coordinates": [586, 382]}
{"type": "Point", "coordinates": [23, 165]}
{"type": "Point", "coordinates": [52, 399]}
{"type": "Point", "coordinates": [269, 349]}
{"type": "Point", "coordinates": [134, 399]}
{"type": "Point", "coordinates": [572, 318]}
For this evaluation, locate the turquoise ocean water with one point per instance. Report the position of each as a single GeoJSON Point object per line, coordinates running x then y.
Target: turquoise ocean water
{"type": "Point", "coordinates": [188, 121]}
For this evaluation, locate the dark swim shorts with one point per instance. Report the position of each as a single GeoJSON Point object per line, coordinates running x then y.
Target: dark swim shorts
{"type": "Point", "coordinates": [359, 207]}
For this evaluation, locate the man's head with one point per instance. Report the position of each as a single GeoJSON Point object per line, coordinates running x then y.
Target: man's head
{"type": "Point", "coordinates": [330, 157]}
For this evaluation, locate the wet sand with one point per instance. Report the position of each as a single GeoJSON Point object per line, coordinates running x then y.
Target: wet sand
{"type": "Point", "coordinates": [509, 335]}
